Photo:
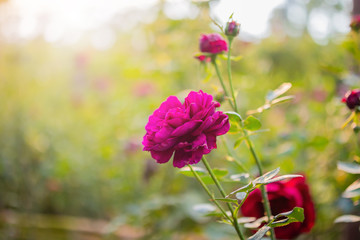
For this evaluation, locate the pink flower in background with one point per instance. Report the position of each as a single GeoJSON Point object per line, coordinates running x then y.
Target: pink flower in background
{"type": "Point", "coordinates": [283, 197]}
{"type": "Point", "coordinates": [355, 23]}
{"type": "Point", "coordinates": [212, 43]}
{"type": "Point", "coordinates": [187, 129]}
{"type": "Point", "coordinates": [352, 99]}
{"type": "Point", "coordinates": [144, 89]}
{"type": "Point", "coordinates": [203, 58]}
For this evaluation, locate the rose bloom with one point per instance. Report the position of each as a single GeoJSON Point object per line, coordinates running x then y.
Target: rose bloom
{"type": "Point", "coordinates": [212, 43]}
{"type": "Point", "coordinates": [352, 99]}
{"type": "Point", "coordinates": [355, 23]}
{"type": "Point", "coordinates": [283, 197]}
{"type": "Point", "coordinates": [189, 129]}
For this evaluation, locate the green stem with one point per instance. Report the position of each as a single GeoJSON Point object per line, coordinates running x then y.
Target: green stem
{"type": "Point", "coordinates": [217, 183]}
{"type": "Point", "coordinates": [213, 61]}
{"type": "Point", "coordinates": [248, 141]}
{"type": "Point", "coordinates": [209, 193]}
{"type": "Point", "coordinates": [230, 76]}
{"type": "Point", "coordinates": [262, 188]}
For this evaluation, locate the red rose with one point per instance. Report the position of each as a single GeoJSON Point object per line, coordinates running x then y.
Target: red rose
{"type": "Point", "coordinates": [352, 99]}
{"type": "Point", "coordinates": [283, 197]}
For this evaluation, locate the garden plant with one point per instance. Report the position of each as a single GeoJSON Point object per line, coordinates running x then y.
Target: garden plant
{"type": "Point", "coordinates": [186, 132]}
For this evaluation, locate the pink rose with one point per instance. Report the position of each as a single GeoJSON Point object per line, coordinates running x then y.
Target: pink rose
{"type": "Point", "coordinates": [187, 129]}
{"type": "Point", "coordinates": [212, 43]}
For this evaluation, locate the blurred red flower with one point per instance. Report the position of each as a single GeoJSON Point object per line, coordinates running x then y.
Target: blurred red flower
{"type": "Point", "coordinates": [352, 99]}
{"type": "Point", "coordinates": [355, 23]}
{"type": "Point", "coordinates": [283, 197]}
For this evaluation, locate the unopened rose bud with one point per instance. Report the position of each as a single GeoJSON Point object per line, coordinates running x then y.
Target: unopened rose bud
{"type": "Point", "coordinates": [355, 23]}
{"type": "Point", "coordinates": [232, 29]}
{"type": "Point", "coordinates": [352, 99]}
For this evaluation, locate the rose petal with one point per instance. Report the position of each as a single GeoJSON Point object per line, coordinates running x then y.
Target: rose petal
{"type": "Point", "coordinates": [161, 157]}
{"type": "Point", "coordinates": [186, 128]}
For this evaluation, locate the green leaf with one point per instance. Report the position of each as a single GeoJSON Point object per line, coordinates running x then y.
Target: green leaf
{"type": "Point", "coordinates": [257, 223]}
{"type": "Point", "coordinates": [238, 142]}
{"type": "Point", "coordinates": [219, 173]}
{"type": "Point", "coordinates": [259, 234]}
{"type": "Point", "coordinates": [281, 100]}
{"type": "Point", "coordinates": [353, 168]}
{"type": "Point", "coordinates": [283, 177]}
{"type": "Point", "coordinates": [233, 58]}
{"type": "Point", "coordinates": [235, 122]}
{"type": "Point", "coordinates": [207, 179]}
{"type": "Point", "coordinates": [240, 195]}
{"type": "Point", "coordinates": [187, 171]}
{"type": "Point", "coordinates": [214, 214]}
{"type": "Point", "coordinates": [252, 123]}
{"type": "Point", "coordinates": [353, 190]}
{"type": "Point", "coordinates": [243, 220]}
{"type": "Point", "coordinates": [347, 219]}
{"type": "Point", "coordinates": [283, 88]}
{"type": "Point", "coordinates": [236, 58]}
{"type": "Point", "coordinates": [296, 215]}
{"type": "Point", "coordinates": [249, 187]}
{"type": "Point", "coordinates": [230, 200]}
{"type": "Point", "coordinates": [267, 176]}
{"type": "Point", "coordinates": [225, 221]}
{"type": "Point", "coordinates": [234, 116]}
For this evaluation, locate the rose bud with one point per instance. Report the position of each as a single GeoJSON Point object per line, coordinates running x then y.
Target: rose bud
{"type": "Point", "coordinates": [352, 99]}
{"type": "Point", "coordinates": [188, 130]}
{"type": "Point", "coordinates": [232, 29]}
{"type": "Point", "coordinates": [212, 43]}
{"type": "Point", "coordinates": [283, 197]}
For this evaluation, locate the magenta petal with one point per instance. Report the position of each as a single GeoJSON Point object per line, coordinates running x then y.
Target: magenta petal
{"type": "Point", "coordinates": [211, 141]}
{"type": "Point", "coordinates": [181, 158]}
{"type": "Point", "coordinates": [165, 145]}
{"type": "Point", "coordinates": [196, 156]}
{"type": "Point", "coordinates": [199, 141]}
{"type": "Point", "coordinates": [161, 157]}
{"type": "Point", "coordinates": [186, 128]}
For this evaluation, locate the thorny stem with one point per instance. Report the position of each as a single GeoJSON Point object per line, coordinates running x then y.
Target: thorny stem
{"type": "Point", "coordinates": [217, 183]}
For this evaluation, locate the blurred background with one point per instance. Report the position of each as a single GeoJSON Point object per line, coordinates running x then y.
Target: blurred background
{"type": "Point", "coordinates": [78, 80]}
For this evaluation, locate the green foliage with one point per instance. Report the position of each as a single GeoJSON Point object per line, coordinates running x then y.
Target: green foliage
{"type": "Point", "coordinates": [251, 123]}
